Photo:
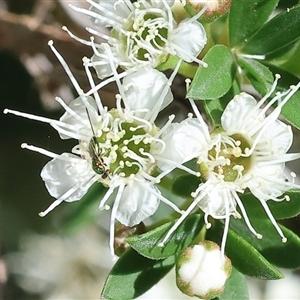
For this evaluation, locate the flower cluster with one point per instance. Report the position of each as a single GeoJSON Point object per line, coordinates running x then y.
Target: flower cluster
{"type": "Point", "coordinates": [124, 150]}
{"type": "Point", "coordinates": [143, 33]}
{"type": "Point", "coordinates": [248, 152]}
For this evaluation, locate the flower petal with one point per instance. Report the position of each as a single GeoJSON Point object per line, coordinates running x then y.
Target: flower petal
{"type": "Point", "coordinates": [279, 137]}
{"type": "Point", "coordinates": [101, 64]}
{"type": "Point", "coordinates": [61, 175]}
{"type": "Point", "coordinates": [80, 124]}
{"type": "Point", "coordinates": [136, 204]}
{"type": "Point", "coordinates": [189, 39]}
{"type": "Point", "coordinates": [144, 88]}
{"type": "Point", "coordinates": [184, 141]}
{"type": "Point", "coordinates": [237, 112]}
{"type": "Point", "coordinates": [217, 197]}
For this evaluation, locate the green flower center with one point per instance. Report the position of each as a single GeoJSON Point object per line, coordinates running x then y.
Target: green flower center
{"type": "Point", "coordinates": [143, 37]}
{"type": "Point", "coordinates": [227, 159]}
{"type": "Point", "coordinates": [123, 152]}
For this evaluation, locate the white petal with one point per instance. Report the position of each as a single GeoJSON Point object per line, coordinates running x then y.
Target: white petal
{"type": "Point", "coordinates": [237, 112]}
{"type": "Point", "coordinates": [136, 204]}
{"type": "Point", "coordinates": [217, 197]}
{"type": "Point", "coordinates": [278, 143]}
{"type": "Point", "coordinates": [189, 39]}
{"type": "Point", "coordinates": [61, 175]}
{"type": "Point", "coordinates": [268, 182]}
{"type": "Point", "coordinates": [144, 88]}
{"type": "Point", "coordinates": [184, 141]}
{"type": "Point", "coordinates": [80, 109]}
{"type": "Point", "coordinates": [102, 64]}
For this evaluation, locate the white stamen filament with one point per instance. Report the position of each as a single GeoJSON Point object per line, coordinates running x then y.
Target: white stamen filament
{"type": "Point", "coordinates": [113, 219]}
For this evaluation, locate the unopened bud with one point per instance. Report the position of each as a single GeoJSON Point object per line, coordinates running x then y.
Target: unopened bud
{"type": "Point", "coordinates": [215, 8]}
{"type": "Point", "coordinates": [202, 270]}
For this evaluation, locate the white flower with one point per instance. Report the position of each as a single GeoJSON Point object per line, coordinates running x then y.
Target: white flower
{"type": "Point", "coordinates": [248, 151]}
{"type": "Point", "coordinates": [144, 33]}
{"type": "Point", "coordinates": [202, 271]}
{"type": "Point", "coordinates": [119, 147]}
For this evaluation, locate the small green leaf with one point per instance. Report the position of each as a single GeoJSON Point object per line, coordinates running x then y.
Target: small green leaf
{"type": "Point", "coordinates": [244, 257]}
{"type": "Point", "coordinates": [279, 32]}
{"type": "Point", "coordinates": [214, 81]}
{"type": "Point", "coordinates": [147, 244]}
{"type": "Point", "coordinates": [235, 287]}
{"type": "Point", "coordinates": [214, 108]}
{"type": "Point", "coordinates": [258, 74]}
{"type": "Point", "coordinates": [271, 246]}
{"type": "Point", "coordinates": [133, 275]}
{"type": "Point", "coordinates": [280, 210]}
{"type": "Point", "coordinates": [245, 17]}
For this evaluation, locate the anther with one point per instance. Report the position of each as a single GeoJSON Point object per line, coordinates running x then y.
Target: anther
{"type": "Point", "coordinates": [259, 236]}
{"type": "Point", "coordinates": [284, 239]}
{"type": "Point", "coordinates": [208, 226]}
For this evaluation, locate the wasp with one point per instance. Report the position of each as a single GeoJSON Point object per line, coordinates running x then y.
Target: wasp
{"type": "Point", "coordinates": [98, 164]}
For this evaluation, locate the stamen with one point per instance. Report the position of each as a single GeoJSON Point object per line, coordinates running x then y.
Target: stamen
{"type": "Point", "coordinates": [92, 84]}
{"type": "Point", "coordinates": [180, 220]}
{"type": "Point", "coordinates": [66, 68]}
{"type": "Point", "coordinates": [267, 210]}
{"type": "Point", "coordinates": [76, 38]}
{"type": "Point", "coordinates": [153, 191]}
{"type": "Point", "coordinates": [113, 219]}
{"type": "Point", "coordinates": [241, 206]}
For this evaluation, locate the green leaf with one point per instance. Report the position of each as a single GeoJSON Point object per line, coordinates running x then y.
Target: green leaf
{"type": "Point", "coordinates": [244, 257]}
{"type": "Point", "coordinates": [279, 32]}
{"type": "Point", "coordinates": [215, 80]}
{"type": "Point", "coordinates": [270, 246]}
{"type": "Point", "coordinates": [258, 74]}
{"type": "Point", "coordinates": [280, 210]}
{"type": "Point", "coordinates": [235, 287]}
{"type": "Point", "coordinates": [245, 17]}
{"type": "Point", "coordinates": [214, 108]}
{"type": "Point", "coordinates": [147, 243]}
{"type": "Point", "coordinates": [290, 58]}
{"type": "Point", "coordinates": [133, 275]}
{"type": "Point", "coordinates": [291, 109]}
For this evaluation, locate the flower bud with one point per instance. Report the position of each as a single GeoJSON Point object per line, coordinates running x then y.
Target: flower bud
{"type": "Point", "coordinates": [202, 270]}
{"type": "Point", "coordinates": [215, 8]}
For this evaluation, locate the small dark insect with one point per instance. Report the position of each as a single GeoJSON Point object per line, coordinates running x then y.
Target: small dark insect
{"type": "Point", "coordinates": [98, 164]}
